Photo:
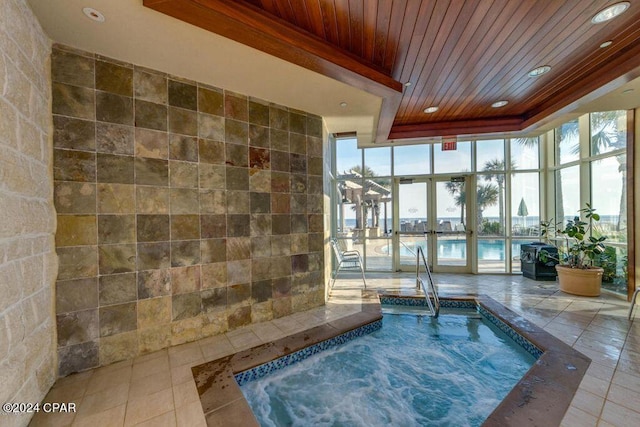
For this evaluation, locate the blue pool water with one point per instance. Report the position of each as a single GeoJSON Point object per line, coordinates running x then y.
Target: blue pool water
{"type": "Point", "coordinates": [414, 371]}
{"type": "Point", "coordinates": [488, 250]}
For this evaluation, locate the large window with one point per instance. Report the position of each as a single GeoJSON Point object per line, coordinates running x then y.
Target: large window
{"type": "Point", "coordinates": [504, 218]}
{"type": "Point", "coordinates": [590, 167]}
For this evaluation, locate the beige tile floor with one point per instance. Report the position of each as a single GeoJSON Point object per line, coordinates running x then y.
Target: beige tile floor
{"type": "Point", "coordinates": [158, 390]}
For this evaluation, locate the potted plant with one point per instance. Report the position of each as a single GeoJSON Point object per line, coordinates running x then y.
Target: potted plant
{"type": "Point", "coordinates": [577, 274]}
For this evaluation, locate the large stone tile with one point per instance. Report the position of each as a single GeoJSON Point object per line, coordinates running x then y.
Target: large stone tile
{"type": "Point", "coordinates": [116, 229]}
{"type": "Point", "coordinates": [74, 165]}
{"type": "Point", "coordinates": [183, 148]}
{"type": "Point", "coordinates": [185, 253]}
{"type": "Point", "coordinates": [153, 228]}
{"type": "Point", "coordinates": [152, 200]}
{"type": "Point", "coordinates": [76, 295]}
{"type": "Point", "coordinates": [116, 198]}
{"type": "Point", "coordinates": [214, 275]}
{"type": "Point", "coordinates": [72, 68]}
{"type": "Point", "coordinates": [77, 262]}
{"type": "Point", "coordinates": [73, 133]}
{"type": "Point", "coordinates": [184, 201]}
{"type": "Point", "coordinates": [258, 113]}
{"type": "Point", "coordinates": [211, 127]}
{"type": "Point", "coordinates": [185, 306]}
{"type": "Point", "coordinates": [185, 279]}
{"type": "Point", "coordinates": [149, 115]}
{"type": "Point", "coordinates": [114, 139]}
{"type": "Point", "coordinates": [210, 151]}
{"type": "Point", "coordinates": [77, 327]}
{"type": "Point", "coordinates": [115, 169]}
{"type": "Point", "coordinates": [114, 78]}
{"type": "Point", "coordinates": [211, 101]}
{"type": "Point", "coordinates": [212, 177]}
{"type": "Point", "coordinates": [154, 283]}
{"type": "Point", "coordinates": [237, 155]}
{"type": "Point", "coordinates": [183, 95]}
{"type": "Point", "coordinates": [77, 358]}
{"type": "Point", "coordinates": [183, 174]}
{"type": "Point", "coordinates": [154, 311]}
{"type": "Point", "coordinates": [76, 230]}
{"type": "Point", "coordinates": [238, 202]}
{"type": "Point", "coordinates": [214, 300]}
{"type": "Point", "coordinates": [151, 143]}
{"type": "Point", "coordinates": [119, 318]}
{"type": "Point", "coordinates": [114, 108]}
{"type": "Point", "coordinates": [114, 348]}
{"type": "Point", "coordinates": [278, 118]}
{"type": "Point", "coordinates": [150, 85]}
{"type": "Point", "coordinates": [183, 122]}
{"type": "Point", "coordinates": [259, 136]}
{"type": "Point", "coordinates": [152, 172]}
{"type": "Point", "coordinates": [114, 259]}
{"type": "Point", "coordinates": [236, 132]}
{"type": "Point", "coordinates": [73, 101]}
{"type": "Point", "coordinates": [153, 256]}
{"type": "Point", "coordinates": [117, 288]}
{"type": "Point", "coordinates": [236, 106]}
{"type": "Point", "coordinates": [185, 227]}
{"type": "Point", "coordinates": [279, 140]}
{"type": "Point", "coordinates": [213, 202]}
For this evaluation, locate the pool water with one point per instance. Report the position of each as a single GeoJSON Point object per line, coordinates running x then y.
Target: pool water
{"type": "Point", "coordinates": [488, 250]}
{"type": "Point", "coordinates": [414, 371]}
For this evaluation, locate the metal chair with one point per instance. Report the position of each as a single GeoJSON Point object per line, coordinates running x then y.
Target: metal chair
{"type": "Point", "coordinates": [346, 259]}
{"type": "Point", "coordinates": [633, 301]}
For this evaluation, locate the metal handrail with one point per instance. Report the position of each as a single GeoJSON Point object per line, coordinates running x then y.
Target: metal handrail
{"type": "Point", "coordinates": [434, 307]}
{"type": "Point", "coordinates": [408, 248]}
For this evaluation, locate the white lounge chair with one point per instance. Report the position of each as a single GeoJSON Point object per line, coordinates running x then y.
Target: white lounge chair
{"type": "Point", "coordinates": [346, 259]}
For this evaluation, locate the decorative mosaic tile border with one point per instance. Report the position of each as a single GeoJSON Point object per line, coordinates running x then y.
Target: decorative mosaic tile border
{"type": "Point", "coordinates": [468, 304]}
{"type": "Point", "coordinates": [421, 302]}
{"type": "Point", "coordinates": [511, 333]}
{"type": "Point", "coordinates": [290, 359]}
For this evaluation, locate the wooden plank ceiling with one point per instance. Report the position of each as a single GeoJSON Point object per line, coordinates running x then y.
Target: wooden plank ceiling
{"type": "Point", "coordinates": [458, 55]}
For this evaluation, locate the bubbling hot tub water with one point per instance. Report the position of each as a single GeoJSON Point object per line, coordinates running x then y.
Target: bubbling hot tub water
{"type": "Point", "coordinates": [414, 371]}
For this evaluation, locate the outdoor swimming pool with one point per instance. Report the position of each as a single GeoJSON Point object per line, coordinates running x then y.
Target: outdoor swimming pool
{"type": "Point", "coordinates": [488, 250]}
{"type": "Point", "coordinates": [415, 370]}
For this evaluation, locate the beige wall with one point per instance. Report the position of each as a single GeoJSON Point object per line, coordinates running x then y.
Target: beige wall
{"type": "Point", "coordinates": [27, 258]}
{"type": "Point", "coordinates": [184, 210]}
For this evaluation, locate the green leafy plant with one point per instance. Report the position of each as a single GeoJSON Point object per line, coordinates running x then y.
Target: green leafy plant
{"type": "Point", "coordinates": [582, 247]}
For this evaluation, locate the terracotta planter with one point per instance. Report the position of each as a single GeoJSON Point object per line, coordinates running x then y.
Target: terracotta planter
{"type": "Point", "coordinates": [578, 281]}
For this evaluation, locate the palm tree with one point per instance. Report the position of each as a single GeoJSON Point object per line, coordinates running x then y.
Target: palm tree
{"type": "Point", "coordinates": [606, 135]}
{"type": "Point", "coordinates": [486, 195]}
{"type": "Point", "coordinates": [496, 167]}
{"type": "Point", "coordinates": [566, 131]}
{"type": "Point", "coordinates": [457, 190]}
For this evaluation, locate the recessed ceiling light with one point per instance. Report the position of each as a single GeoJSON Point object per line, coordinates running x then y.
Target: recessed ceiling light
{"type": "Point", "coordinates": [499, 104]}
{"type": "Point", "coordinates": [606, 44]}
{"type": "Point", "coordinates": [610, 12]}
{"type": "Point", "coordinates": [407, 84]}
{"type": "Point", "coordinates": [343, 104]}
{"type": "Point", "coordinates": [430, 110]}
{"type": "Point", "coordinates": [539, 71]}
{"type": "Point", "coordinates": [93, 14]}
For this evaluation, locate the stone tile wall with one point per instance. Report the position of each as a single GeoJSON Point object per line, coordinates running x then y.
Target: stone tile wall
{"type": "Point", "coordinates": [183, 210]}
{"type": "Point", "coordinates": [27, 224]}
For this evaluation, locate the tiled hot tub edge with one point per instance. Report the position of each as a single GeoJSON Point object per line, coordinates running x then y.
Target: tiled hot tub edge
{"type": "Point", "coordinates": [541, 397]}
{"type": "Point", "coordinates": [222, 400]}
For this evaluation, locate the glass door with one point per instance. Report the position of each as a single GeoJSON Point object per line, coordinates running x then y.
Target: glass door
{"type": "Point", "coordinates": [450, 212]}
{"type": "Point", "coordinates": [411, 221]}
{"type": "Point", "coordinates": [432, 214]}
